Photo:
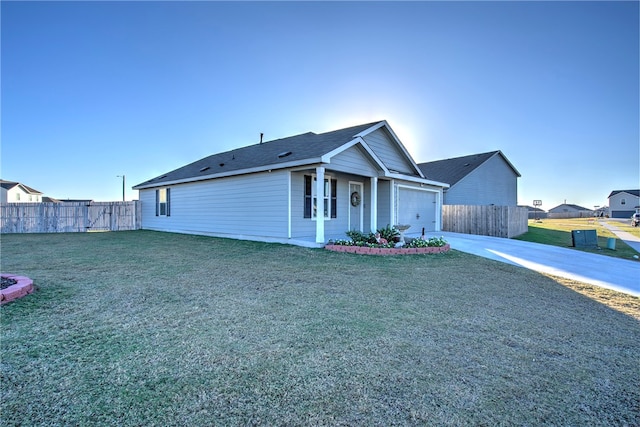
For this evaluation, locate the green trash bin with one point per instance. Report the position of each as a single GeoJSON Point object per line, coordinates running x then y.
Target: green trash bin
{"type": "Point", "coordinates": [611, 243]}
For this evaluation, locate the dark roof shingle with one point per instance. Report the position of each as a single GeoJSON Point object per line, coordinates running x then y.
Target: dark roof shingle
{"type": "Point", "coordinates": [7, 185]}
{"type": "Point", "coordinates": [453, 170]}
{"type": "Point", "coordinates": [270, 153]}
{"type": "Point", "coordinates": [632, 192]}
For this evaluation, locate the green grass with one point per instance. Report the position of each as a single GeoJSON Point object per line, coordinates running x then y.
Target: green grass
{"type": "Point", "coordinates": [146, 328]}
{"type": "Point", "coordinates": [557, 232]}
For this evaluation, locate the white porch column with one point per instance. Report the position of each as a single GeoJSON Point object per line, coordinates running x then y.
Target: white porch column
{"type": "Point", "coordinates": [319, 204]}
{"type": "Point", "coordinates": [374, 204]}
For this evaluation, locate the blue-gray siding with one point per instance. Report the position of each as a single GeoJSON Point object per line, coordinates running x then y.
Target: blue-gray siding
{"type": "Point", "coordinates": [353, 161]}
{"type": "Point", "coordinates": [492, 183]}
{"type": "Point", "coordinates": [384, 203]}
{"type": "Point", "coordinates": [619, 210]}
{"type": "Point", "coordinates": [250, 205]}
{"type": "Point", "coordinates": [388, 152]}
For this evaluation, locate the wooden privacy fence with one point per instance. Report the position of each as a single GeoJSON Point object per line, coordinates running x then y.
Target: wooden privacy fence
{"type": "Point", "coordinates": [497, 221]}
{"type": "Point", "coordinates": [574, 214]}
{"type": "Point", "coordinates": [68, 217]}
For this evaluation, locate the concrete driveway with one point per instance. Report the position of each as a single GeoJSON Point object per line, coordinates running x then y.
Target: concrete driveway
{"type": "Point", "coordinates": [600, 270]}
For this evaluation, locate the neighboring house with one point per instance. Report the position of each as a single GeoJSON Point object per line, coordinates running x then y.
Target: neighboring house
{"type": "Point", "coordinates": [478, 179]}
{"type": "Point", "coordinates": [304, 189]}
{"type": "Point", "coordinates": [624, 203]}
{"type": "Point", "coordinates": [567, 210]}
{"type": "Point", "coordinates": [15, 192]}
{"type": "Point", "coordinates": [535, 213]}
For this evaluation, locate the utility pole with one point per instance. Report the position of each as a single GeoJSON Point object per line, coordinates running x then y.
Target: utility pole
{"type": "Point", "coordinates": [123, 185]}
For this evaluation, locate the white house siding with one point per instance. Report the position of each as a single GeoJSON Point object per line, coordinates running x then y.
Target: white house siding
{"type": "Point", "coordinates": [18, 195]}
{"type": "Point", "coordinates": [619, 210]}
{"type": "Point", "coordinates": [388, 151]}
{"type": "Point", "coordinates": [241, 206]}
{"type": "Point", "coordinates": [492, 183]}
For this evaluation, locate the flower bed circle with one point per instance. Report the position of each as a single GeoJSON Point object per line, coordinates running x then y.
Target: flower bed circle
{"type": "Point", "coordinates": [14, 287]}
{"type": "Point", "coordinates": [365, 250]}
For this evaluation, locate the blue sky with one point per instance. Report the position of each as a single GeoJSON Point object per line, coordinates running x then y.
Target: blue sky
{"type": "Point", "coordinates": [92, 90]}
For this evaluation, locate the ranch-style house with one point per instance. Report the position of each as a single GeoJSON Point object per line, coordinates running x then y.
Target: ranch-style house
{"type": "Point", "coordinates": [304, 189]}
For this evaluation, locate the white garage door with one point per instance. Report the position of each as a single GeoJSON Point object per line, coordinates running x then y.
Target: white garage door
{"type": "Point", "coordinates": [417, 208]}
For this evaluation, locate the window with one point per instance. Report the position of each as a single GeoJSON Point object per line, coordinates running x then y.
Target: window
{"type": "Point", "coordinates": [163, 202]}
{"type": "Point", "coordinates": [623, 201]}
{"type": "Point", "coordinates": [17, 196]}
{"type": "Point", "coordinates": [329, 198]}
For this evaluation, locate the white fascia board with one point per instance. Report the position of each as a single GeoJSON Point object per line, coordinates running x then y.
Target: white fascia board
{"type": "Point", "coordinates": [27, 191]}
{"type": "Point", "coordinates": [257, 169]}
{"type": "Point", "coordinates": [397, 141]}
{"type": "Point", "coordinates": [356, 141]}
{"type": "Point", "coordinates": [372, 128]}
{"type": "Point", "coordinates": [418, 180]}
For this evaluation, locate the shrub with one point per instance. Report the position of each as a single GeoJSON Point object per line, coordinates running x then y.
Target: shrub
{"type": "Point", "coordinates": [358, 236]}
{"type": "Point", "coordinates": [389, 233]}
{"type": "Point", "coordinates": [424, 243]}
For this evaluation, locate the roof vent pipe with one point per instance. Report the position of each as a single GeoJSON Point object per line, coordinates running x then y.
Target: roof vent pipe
{"type": "Point", "coordinates": [261, 135]}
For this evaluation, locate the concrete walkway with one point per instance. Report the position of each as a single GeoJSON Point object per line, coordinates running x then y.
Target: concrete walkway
{"type": "Point", "coordinates": [628, 238]}
{"type": "Point", "coordinates": [600, 270]}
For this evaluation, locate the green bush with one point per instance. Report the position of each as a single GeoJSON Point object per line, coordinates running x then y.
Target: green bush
{"type": "Point", "coordinates": [424, 243]}
{"type": "Point", "coordinates": [389, 233]}
{"type": "Point", "coordinates": [358, 236]}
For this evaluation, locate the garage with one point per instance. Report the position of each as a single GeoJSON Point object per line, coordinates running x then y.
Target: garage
{"type": "Point", "coordinates": [418, 208]}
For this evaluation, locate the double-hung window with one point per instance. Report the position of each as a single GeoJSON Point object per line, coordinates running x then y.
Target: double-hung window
{"type": "Point", "coordinates": [163, 202]}
{"type": "Point", "coordinates": [326, 203]}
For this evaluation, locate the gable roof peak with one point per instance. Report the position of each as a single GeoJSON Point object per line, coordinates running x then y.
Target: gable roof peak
{"type": "Point", "coordinates": [8, 185]}
{"type": "Point", "coordinates": [454, 169]}
{"type": "Point", "coordinates": [632, 192]}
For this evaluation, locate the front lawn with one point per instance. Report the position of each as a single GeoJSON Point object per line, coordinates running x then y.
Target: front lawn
{"type": "Point", "coordinates": [148, 328]}
{"type": "Point", "coordinates": [557, 232]}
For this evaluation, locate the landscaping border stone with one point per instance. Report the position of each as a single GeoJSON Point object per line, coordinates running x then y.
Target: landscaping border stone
{"type": "Point", "coordinates": [364, 250]}
{"type": "Point", "coordinates": [23, 286]}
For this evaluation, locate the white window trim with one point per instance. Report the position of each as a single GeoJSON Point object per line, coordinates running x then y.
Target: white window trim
{"type": "Point", "coordinates": [314, 179]}
{"type": "Point", "coordinates": [162, 191]}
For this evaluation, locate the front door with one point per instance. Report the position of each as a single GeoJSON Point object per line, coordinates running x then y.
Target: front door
{"type": "Point", "coordinates": [355, 206]}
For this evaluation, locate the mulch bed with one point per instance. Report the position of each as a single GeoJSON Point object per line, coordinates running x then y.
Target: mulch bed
{"type": "Point", "coordinates": [5, 282]}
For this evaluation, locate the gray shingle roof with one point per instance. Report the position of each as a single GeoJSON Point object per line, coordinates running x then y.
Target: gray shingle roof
{"type": "Point", "coordinates": [453, 170]}
{"type": "Point", "coordinates": [632, 192]}
{"type": "Point", "coordinates": [7, 185]}
{"type": "Point", "coordinates": [571, 206]}
{"type": "Point", "coordinates": [10, 184]}
{"type": "Point", "coordinates": [270, 154]}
